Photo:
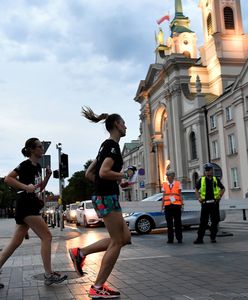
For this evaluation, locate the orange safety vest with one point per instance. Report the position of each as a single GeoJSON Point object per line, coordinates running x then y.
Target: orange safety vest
{"type": "Point", "coordinates": [172, 196]}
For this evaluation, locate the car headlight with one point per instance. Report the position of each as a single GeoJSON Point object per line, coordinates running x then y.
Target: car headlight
{"type": "Point", "coordinates": [125, 215]}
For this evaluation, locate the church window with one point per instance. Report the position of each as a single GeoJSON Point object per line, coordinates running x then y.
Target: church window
{"type": "Point", "coordinates": [193, 145]}
{"type": "Point", "coordinates": [212, 121]}
{"type": "Point", "coordinates": [209, 24]}
{"type": "Point", "coordinates": [228, 18]}
{"type": "Point", "coordinates": [234, 178]}
{"type": "Point", "coordinates": [195, 178]}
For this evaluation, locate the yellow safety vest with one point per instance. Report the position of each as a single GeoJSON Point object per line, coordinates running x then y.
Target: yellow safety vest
{"type": "Point", "coordinates": [216, 189]}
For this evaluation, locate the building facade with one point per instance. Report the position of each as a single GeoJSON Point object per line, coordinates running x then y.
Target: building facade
{"type": "Point", "coordinates": [195, 109]}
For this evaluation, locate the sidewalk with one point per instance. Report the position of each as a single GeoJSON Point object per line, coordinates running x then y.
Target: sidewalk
{"type": "Point", "coordinates": [147, 269]}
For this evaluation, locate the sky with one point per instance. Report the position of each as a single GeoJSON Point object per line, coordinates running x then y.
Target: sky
{"type": "Point", "coordinates": [57, 56]}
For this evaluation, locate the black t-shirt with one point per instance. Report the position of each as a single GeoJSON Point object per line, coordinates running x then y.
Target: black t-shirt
{"type": "Point", "coordinates": [109, 148]}
{"type": "Point", "coordinates": [209, 187]}
{"type": "Point", "coordinates": [30, 174]}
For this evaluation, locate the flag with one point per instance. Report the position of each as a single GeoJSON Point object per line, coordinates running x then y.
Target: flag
{"type": "Point", "coordinates": [166, 17]}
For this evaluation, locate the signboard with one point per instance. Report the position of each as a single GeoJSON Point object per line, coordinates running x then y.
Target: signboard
{"type": "Point", "coordinates": [45, 161]}
{"type": "Point", "coordinates": [45, 145]}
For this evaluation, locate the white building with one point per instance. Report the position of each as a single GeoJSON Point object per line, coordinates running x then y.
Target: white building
{"type": "Point", "coordinates": [195, 109]}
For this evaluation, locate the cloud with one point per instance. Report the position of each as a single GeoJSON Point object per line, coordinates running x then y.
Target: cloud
{"type": "Point", "coordinates": [56, 56]}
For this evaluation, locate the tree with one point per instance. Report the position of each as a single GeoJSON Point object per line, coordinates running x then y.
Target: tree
{"type": "Point", "coordinates": [7, 196]}
{"type": "Point", "coordinates": [79, 187]}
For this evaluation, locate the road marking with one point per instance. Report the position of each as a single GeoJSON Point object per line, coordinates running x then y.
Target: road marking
{"type": "Point", "coordinates": [144, 257]}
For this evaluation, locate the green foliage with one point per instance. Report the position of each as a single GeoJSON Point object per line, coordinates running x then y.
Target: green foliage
{"type": "Point", "coordinates": [7, 195]}
{"type": "Point", "coordinates": [79, 188]}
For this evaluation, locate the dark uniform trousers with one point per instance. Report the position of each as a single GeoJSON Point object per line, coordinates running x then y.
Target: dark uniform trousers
{"type": "Point", "coordinates": [173, 213]}
{"type": "Point", "coordinates": [209, 210]}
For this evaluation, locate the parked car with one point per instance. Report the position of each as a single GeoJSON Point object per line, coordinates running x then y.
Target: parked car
{"type": "Point", "coordinates": [71, 215]}
{"type": "Point", "coordinates": [144, 222]}
{"type": "Point", "coordinates": [86, 214]}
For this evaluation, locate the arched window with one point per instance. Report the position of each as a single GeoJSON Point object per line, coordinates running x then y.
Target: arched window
{"type": "Point", "coordinates": [228, 18]}
{"type": "Point", "coordinates": [195, 178]}
{"type": "Point", "coordinates": [209, 24]}
{"type": "Point", "coordinates": [193, 145]}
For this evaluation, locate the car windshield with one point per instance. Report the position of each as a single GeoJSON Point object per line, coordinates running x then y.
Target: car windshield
{"type": "Point", "coordinates": [89, 205]}
{"type": "Point", "coordinates": [74, 206]}
{"type": "Point", "coordinates": [156, 197]}
{"type": "Point", "coordinates": [188, 196]}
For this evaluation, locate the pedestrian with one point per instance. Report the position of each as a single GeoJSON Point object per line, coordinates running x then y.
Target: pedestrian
{"type": "Point", "coordinates": [27, 179]}
{"type": "Point", "coordinates": [105, 172]}
{"type": "Point", "coordinates": [209, 191]}
{"type": "Point", "coordinates": [172, 206]}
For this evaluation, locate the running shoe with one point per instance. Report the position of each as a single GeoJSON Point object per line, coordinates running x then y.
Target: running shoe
{"type": "Point", "coordinates": [54, 277]}
{"type": "Point", "coordinates": [104, 292]}
{"type": "Point", "coordinates": [77, 260]}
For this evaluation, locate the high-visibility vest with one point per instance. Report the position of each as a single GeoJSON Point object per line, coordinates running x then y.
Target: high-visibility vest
{"type": "Point", "coordinates": [216, 189]}
{"type": "Point", "coordinates": [172, 195]}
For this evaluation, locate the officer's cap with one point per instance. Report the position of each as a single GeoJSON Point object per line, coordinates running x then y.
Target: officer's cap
{"type": "Point", "coordinates": [170, 172]}
{"type": "Point", "coordinates": [208, 167]}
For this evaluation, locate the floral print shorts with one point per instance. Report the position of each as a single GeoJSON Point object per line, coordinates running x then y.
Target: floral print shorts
{"type": "Point", "coordinates": [103, 205]}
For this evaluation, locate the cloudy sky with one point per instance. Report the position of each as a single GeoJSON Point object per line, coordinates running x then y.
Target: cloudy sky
{"type": "Point", "coordinates": [58, 55]}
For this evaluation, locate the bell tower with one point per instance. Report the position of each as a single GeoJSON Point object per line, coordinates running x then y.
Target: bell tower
{"type": "Point", "coordinates": [225, 46]}
{"type": "Point", "coordinates": [182, 39]}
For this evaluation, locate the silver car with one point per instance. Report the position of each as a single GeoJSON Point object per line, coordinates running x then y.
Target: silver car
{"type": "Point", "coordinates": [144, 222]}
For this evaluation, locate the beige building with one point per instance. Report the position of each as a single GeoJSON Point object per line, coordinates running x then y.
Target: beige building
{"type": "Point", "coordinates": [195, 109]}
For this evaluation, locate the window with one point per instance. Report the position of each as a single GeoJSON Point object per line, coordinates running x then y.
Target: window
{"type": "Point", "coordinates": [234, 178]}
{"type": "Point", "coordinates": [215, 149]}
{"type": "Point", "coordinates": [231, 144]}
{"type": "Point", "coordinates": [246, 103]}
{"type": "Point", "coordinates": [209, 24]}
{"type": "Point", "coordinates": [228, 18]}
{"type": "Point", "coordinates": [228, 113]}
{"type": "Point", "coordinates": [195, 178]}
{"type": "Point", "coordinates": [193, 146]}
{"type": "Point", "coordinates": [212, 121]}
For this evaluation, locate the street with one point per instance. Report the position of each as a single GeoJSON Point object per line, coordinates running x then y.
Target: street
{"type": "Point", "coordinates": [148, 269]}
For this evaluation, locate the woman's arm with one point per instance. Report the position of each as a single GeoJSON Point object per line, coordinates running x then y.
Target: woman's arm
{"type": "Point", "coordinates": [91, 171]}
{"type": "Point", "coordinates": [47, 177]}
{"type": "Point", "coordinates": [11, 180]}
{"type": "Point", "coordinates": [108, 174]}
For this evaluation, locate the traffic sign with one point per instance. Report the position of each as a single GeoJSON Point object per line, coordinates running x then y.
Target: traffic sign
{"type": "Point", "coordinates": [45, 161]}
{"type": "Point", "coordinates": [45, 145]}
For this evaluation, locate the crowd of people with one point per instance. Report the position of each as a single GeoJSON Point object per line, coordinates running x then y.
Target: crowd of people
{"type": "Point", "coordinates": [107, 173]}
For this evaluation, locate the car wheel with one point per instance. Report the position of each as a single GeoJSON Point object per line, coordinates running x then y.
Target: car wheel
{"type": "Point", "coordinates": [144, 225]}
{"type": "Point", "coordinates": [85, 222]}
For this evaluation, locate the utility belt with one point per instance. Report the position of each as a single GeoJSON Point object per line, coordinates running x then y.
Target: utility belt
{"type": "Point", "coordinates": [209, 201]}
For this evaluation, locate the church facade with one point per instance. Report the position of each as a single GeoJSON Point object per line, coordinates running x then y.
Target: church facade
{"type": "Point", "coordinates": [193, 109]}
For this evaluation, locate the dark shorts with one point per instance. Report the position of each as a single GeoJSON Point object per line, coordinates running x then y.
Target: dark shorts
{"type": "Point", "coordinates": [103, 205]}
{"type": "Point", "coordinates": [26, 205]}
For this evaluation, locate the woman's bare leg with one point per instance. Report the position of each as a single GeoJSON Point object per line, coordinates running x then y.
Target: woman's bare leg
{"type": "Point", "coordinates": [98, 246]}
{"type": "Point", "coordinates": [119, 236]}
{"type": "Point", "coordinates": [38, 225]}
{"type": "Point", "coordinates": [15, 242]}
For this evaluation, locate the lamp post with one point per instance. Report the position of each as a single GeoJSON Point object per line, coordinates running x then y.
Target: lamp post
{"type": "Point", "coordinates": [61, 184]}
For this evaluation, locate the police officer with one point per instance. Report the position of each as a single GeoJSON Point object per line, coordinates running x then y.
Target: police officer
{"type": "Point", "coordinates": [172, 206]}
{"type": "Point", "coordinates": [209, 191]}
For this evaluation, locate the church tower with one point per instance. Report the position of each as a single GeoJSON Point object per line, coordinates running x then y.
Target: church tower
{"type": "Point", "coordinates": [225, 46]}
{"type": "Point", "coordinates": [182, 39]}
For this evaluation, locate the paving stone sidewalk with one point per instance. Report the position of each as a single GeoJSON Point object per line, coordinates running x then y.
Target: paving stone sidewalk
{"type": "Point", "coordinates": [147, 269]}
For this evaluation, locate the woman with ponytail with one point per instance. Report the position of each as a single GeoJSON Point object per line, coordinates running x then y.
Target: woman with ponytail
{"type": "Point", "coordinates": [105, 172]}
{"type": "Point", "coordinates": [26, 178]}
